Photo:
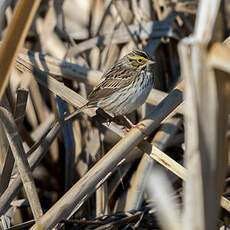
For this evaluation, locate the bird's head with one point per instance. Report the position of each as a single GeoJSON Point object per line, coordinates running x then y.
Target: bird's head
{"type": "Point", "coordinates": [138, 59]}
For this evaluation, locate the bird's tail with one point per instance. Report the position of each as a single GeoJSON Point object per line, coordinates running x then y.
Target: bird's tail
{"type": "Point", "coordinates": [77, 111]}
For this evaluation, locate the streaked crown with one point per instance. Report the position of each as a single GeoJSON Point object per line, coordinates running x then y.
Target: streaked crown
{"type": "Point", "coordinates": [138, 58]}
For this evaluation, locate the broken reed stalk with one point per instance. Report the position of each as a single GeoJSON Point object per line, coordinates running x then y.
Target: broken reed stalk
{"type": "Point", "coordinates": [14, 38]}
{"type": "Point", "coordinates": [173, 166]}
{"type": "Point", "coordinates": [21, 161]}
{"type": "Point", "coordinates": [62, 208]}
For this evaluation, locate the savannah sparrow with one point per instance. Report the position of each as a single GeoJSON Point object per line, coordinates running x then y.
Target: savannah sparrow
{"type": "Point", "coordinates": [125, 86]}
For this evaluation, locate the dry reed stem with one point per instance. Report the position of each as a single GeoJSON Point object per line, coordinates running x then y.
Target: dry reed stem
{"type": "Point", "coordinates": [145, 30]}
{"type": "Point", "coordinates": [62, 208]}
{"type": "Point", "coordinates": [118, 177]}
{"type": "Point", "coordinates": [69, 142]}
{"type": "Point", "coordinates": [219, 56]}
{"type": "Point", "coordinates": [102, 202]}
{"type": "Point", "coordinates": [50, 42]}
{"type": "Point", "coordinates": [19, 113]}
{"type": "Point", "coordinates": [219, 59]}
{"type": "Point", "coordinates": [131, 35]}
{"type": "Point", "coordinates": [39, 105]}
{"type": "Point", "coordinates": [38, 151]}
{"type": "Point", "coordinates": [205, 123]}
{"type": "Point", "coordinates": [21, 161]}
{"type": "Point", "coordinates": [160, 140]}
{"type": "Point", "coordinates": [167, 132]}
{"type": "Point", "coordinates": [166, 161]}
{"type": "Point", "coordinates": [173, 166]}
{"type": "Point", "coordinates": [91, 192]}
{"type": "Point", "coordinates": [57, 67]}
{"type": "Point", "coordinates": [3, 6]}
{"type": "Point", "coordinates": [106, 12]}
{"type": "Point", "coordinates": [4, 145]}
{"type": "Point", "coordinates": [14, 38]}
{"type": "Point", "coordinates": [24, 225]}
{"type": "Point", "coordinates": [138, 184]}
{"type": "Point", "coordinates": [77, 135]}
{"type": "Point", "coordinates": [43, 128]}
{"type": "Point", "coordinates": [31, 114]}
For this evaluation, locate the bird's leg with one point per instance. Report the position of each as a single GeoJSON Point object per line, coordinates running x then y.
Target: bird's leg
{"type": "Point", "coordinates": [109, 120]}
{"type": "Point", "coordinates": [105, 116]}
{"type": "Point", "coordinates": [134, 126]}
{"type": "Point", "coordinates": [129, 122]}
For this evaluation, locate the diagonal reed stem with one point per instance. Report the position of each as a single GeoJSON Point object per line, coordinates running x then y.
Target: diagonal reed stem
{"type": "Point", "coordinates": [67, 203]}
{"type": "Point", "coordinates": [15, 36]}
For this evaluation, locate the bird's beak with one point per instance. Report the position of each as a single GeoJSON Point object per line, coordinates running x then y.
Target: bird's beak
{"type": "Point", "coordinates": [150, 62]}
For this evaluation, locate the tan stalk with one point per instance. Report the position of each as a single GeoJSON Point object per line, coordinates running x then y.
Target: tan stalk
{"type": "Point", "coordinates": [14, 38]}
{"type": "Point", "coordinates": [21, 161]}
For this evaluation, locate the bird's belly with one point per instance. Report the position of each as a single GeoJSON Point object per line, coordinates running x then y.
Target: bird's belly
{"type": "Point", "coordinates": [135, 101]}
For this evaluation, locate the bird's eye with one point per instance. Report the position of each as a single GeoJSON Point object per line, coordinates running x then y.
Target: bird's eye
{"type": "Point", "coordinates": [140, 60]}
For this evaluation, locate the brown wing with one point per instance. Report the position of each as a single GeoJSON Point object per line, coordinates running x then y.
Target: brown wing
{"type": "Point", "coordinates": [114, 79]}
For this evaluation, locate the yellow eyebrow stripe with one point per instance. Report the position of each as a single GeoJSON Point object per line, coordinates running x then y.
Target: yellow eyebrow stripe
{"type": "Point", "coordinates": [139, 57]}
